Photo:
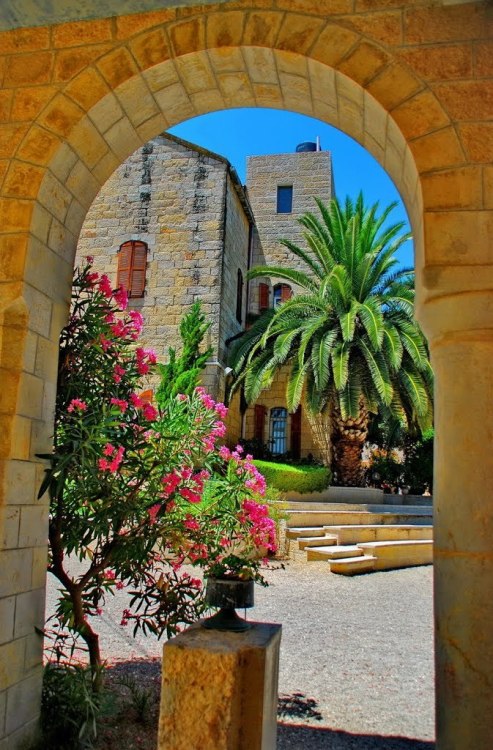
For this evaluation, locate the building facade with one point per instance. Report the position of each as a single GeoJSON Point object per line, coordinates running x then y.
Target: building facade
{"type": "Point", "coordinates": [174, 225]}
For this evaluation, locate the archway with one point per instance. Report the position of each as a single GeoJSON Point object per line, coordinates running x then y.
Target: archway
{"type": "Point", "coordinates": [85, 107]}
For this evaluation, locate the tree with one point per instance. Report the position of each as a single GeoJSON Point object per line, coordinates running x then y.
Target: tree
{"type": "Point", "coordinates": [181, 375]}
{"type": "Point", "coordinates": [349, 337]}
{"type": "Point", "coordinates": [127, 481]}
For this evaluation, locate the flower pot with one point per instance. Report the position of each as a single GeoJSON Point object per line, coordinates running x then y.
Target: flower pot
{"type": "Point", "coordinates": [228, 594]}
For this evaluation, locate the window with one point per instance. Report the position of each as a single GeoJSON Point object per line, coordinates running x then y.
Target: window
{"type": "Point", "coordinates": [277, 432]}
{"type": "Point", "coordinates": [263, 297]}
{"type": "Point", "coordinates": [284, 199]}
{"type": "Point", "coordinates": [132, 262]}
{"type": "Point", "coordinates": [239, 296]}
{"type": "Point", "coordinates": [295, 447]}
{"type": "Point", "coordinates": [282, 292]}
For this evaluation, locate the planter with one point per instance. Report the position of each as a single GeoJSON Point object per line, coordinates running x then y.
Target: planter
{"type": "Point", "coordinates": [228, 594]}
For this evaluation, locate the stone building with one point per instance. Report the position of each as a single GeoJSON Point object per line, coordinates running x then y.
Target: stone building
{"type": "Point", "coordinates": [173, 224]}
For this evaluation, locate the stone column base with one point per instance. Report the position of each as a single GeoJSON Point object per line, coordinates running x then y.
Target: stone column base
{"type": "Point", "coordinates": [219, 690]}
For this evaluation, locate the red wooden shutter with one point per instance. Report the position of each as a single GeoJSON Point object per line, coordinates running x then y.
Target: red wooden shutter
{"type": "Point", "coordinates": [296, 433]}
{"type": "Point", "coordinates": [286, 292]}
{"type": "Point", "coordinates": [124, 266]}
{"type": "Point", "coordinates": [139, 264]}
{"type": "Point", "coordinates": [263, 297]}
{"type": "Point", "coordinates": [132, 262]}
{"type": "Point", "coordinates": [259, 422]}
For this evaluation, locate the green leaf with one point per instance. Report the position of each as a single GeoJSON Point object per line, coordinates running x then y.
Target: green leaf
{"type": "Point", "coordinates": [340, 365]}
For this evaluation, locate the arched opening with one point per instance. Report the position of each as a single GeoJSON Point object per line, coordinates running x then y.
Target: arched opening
{"type": "Point", "coordinates": [154, 72]}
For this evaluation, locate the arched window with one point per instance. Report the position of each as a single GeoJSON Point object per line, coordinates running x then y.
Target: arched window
{"type": "Point", "coordinates": [239, 296]}
{"type": "Point", "coordinates": [277, 431]}
{"type": "Point", "coordinates": [132, 262]}
{"type": "Point", "coordinates": [282, 292]}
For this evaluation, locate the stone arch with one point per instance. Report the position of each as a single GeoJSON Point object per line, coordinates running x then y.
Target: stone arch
{"type": "Point", "coordinates": [81, 108]}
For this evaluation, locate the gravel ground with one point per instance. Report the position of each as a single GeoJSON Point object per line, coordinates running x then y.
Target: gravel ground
{"type": "Point", "coordinates": [356, 668]}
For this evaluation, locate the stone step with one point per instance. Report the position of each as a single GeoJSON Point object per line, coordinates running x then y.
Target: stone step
{"type": "Point", "coordinates": [365, 507]}
{"type": "Point", "coordinates": [353, 534]}
{"type": "Point", "coordinates": [331, 552]}
{"type": "Point", "coordinates": [386, 556]}
{"type": "Point", "coordinates": [351, 566]}
{"type": "Point", "coordinates": [305, 531]}
{"type": "Point", "coordinates": [317, 541]}
{"type": "Point", "coordinates": [313, 518]}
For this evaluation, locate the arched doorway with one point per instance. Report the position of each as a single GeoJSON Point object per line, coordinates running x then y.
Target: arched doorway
{"type": "Point", "coordinates": [76, 109]}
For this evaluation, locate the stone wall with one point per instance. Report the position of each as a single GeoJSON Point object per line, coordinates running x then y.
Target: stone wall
{"type": "Point", "coordinates": [172, 198]}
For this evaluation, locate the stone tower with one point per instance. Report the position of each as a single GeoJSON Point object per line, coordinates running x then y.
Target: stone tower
{"type": "Point", "coordinates": [281, 188]}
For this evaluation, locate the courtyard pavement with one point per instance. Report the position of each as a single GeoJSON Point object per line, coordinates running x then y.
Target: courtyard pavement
{"type": "Point", "coordinates": [356, 669]}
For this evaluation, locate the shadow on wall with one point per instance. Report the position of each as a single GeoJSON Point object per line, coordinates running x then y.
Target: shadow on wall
{"type": "Point", "coordinates": [300, 737]}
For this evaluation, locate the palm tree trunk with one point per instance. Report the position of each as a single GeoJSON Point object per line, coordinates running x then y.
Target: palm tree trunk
{"type": "Point", "coordinates": [321, 427]}
{"type": "Point", "coordinates": [349, 437]}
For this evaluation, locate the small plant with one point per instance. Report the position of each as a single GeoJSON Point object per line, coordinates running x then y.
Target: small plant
{"type": "Point", "coordinates": [69, 707]}
{"type": "Point", "coordinates": [142, 699]}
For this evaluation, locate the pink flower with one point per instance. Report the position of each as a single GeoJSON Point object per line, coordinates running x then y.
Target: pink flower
{"type": "Point", "coordinates": [221, 410]}
{"type": "Point", "coordinates": [224, 452]}
{"type": "Point", "coordinates": [110, 575]}
{"type": "Point", "coordinates": [137, 321]}
{"type": "Point", "coordinates": [153, 511]}
{"type": "Point", "coordinates": [119, 585]}
{"type": "Point", "coordinates": [189, 495]}
{"type": "Point", "coordinates": [118, 372]}
{"type": "Point", "coordinates": [191, 524]}
{"type": "Point", "coordinates": [105, 343]}
{"type": "Point", "coordinates": [92, 278]}
{"type": "Point", "coordinates": [182, 397]}
{"type": "Point", "coordinates": [116, 455]}
{"type": "Point", "coordinates": [121, 404]}
{"type": "Point", "coordinates": [90, 259]}
{"type": "Point", "coordinates": [105, 286]}
{"type": "Point", "coordinates": [119, 329]}
{"type": "Point", "coordinates": [150, 412]}
{"type": "Point", "coordinates": [170, 483]}
{"type": "Point", "coordinates": [136, 401]}
{"type": "Point", "coordinates": [76, 403]}
{"type": "Point", "coordinates": [121, 298]}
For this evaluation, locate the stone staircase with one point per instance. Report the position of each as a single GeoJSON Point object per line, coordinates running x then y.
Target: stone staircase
{"type": "Point", "coordinates": [360, 538]}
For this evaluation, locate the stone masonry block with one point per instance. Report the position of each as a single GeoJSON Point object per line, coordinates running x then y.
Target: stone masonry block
{"type": "Point", "coordinates": [23, 701]}
{"type": "Point", "coordinates": [7, 613]}
{"type": "Point", "coordinates": [11, 662]}
{"type": "Point", "coordinates": [29, 612]}
{"type": "Point", "coordinates": [15, 571]}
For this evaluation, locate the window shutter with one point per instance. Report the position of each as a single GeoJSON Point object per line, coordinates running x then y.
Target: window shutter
{"type": "Point", "coordinates": [139, 264]}
{"type": "Point", "coordinates": [286, 292]}
{"type": "Point", "coordinates": [124, 266]}
{"type": "Point", "coordinates": [263, 297]}
{"type": "Point", "coordinates": [259, 422]}
{"type": "Point", "coordinates": [132, 263]}
{"type": "Point", "coordinates": [239, 296]}
{"type": "Point", "coordinates": [296, 433]}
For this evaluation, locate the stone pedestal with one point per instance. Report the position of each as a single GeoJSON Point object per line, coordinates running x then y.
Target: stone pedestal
{"type": "Point", "coordinates": [219, 690]}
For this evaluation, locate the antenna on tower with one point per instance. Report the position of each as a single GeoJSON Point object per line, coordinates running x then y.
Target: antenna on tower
{"type": "Point", "coordinates": [318, 143]}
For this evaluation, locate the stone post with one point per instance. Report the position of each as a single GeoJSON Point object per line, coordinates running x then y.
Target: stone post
{"type": "Point", "coordinates": [219, 690]}
{"type": "Point", "coordinates": [460, 330]}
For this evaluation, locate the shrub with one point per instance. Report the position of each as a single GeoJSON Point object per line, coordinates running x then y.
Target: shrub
{"type": "Point", "coordinates": [418, 466]}
{"type": "Point", "coordinates": [287, 477]}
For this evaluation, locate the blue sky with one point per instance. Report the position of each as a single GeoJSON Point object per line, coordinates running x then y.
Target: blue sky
{"type": "Point", "coordinates": [238, 133]}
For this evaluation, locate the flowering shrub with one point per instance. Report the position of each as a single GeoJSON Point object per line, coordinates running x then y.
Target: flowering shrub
{"type": "Point", "coordinates": [137, 491]}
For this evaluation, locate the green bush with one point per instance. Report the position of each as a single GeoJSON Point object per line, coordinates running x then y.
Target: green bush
{"type": "Point", "coordinates": [287, 477]}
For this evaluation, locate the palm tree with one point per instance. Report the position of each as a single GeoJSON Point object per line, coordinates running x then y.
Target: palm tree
{"type": "Point", "coordinates": [348, 337]}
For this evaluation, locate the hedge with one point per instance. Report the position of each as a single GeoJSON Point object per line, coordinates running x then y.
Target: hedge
{"type": "Point", "coordinates": [287, 477]}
